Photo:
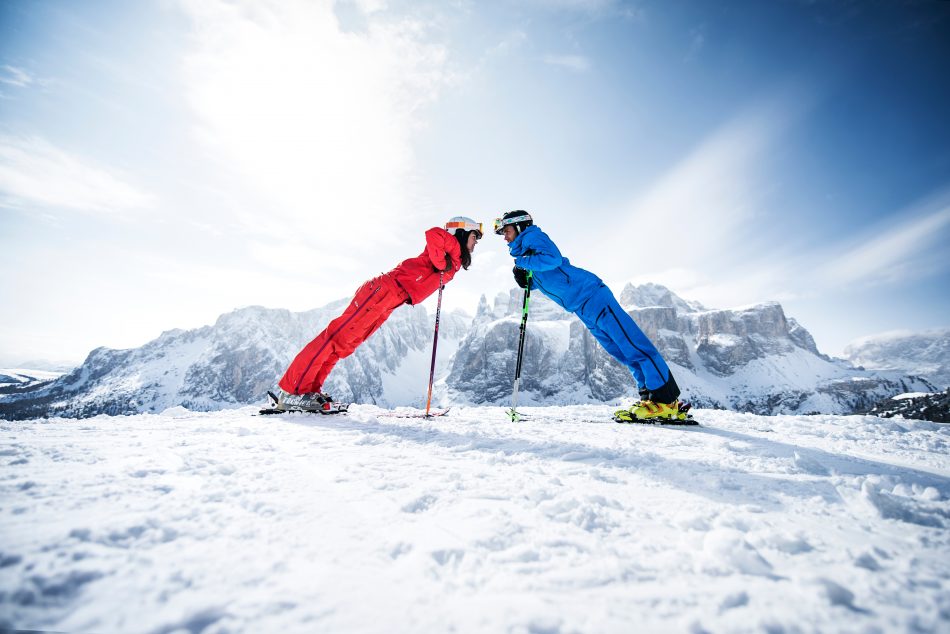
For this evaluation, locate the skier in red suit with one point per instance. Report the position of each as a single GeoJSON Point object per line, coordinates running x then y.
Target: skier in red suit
{"type": "Point", "coordinates": [447, 251]}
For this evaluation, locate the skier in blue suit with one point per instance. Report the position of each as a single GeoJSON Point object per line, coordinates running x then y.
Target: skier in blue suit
{"type": "Point", "coordinates": [584, 294]}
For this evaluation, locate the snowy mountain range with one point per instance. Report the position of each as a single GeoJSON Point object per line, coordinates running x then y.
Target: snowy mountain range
{"type": "Point", "coordinates": [234, 362]}
{"type": "Point", "coordinates": [751, 359]}
{"type": "Point", "coordinates": [920, 353]}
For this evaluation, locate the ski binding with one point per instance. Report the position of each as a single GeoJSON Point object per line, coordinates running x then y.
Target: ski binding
{"type": "Point", "coordinates": [329, 407]}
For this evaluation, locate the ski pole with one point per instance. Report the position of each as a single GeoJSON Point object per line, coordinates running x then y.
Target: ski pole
{"type": "Point", "coordinates": [513, 412]}
{"type": "Point", "coordinates": [435, 343]}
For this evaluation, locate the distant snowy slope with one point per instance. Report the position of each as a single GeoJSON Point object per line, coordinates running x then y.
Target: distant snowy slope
{"type": "Point", "coordinates": [229, 522]}
{"type": "Point", "coordinates": [925, 354]}
{"type": "Point", "coordinates": [13, 380]}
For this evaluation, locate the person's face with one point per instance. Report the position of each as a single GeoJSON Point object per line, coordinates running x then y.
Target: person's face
{"type": "Point", "coordinates": [510, 233]}
{"type": "Point", "coordinates": [472, 241]}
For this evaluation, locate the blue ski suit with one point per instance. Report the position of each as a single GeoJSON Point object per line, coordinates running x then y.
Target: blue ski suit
{"type": "Point", "coordinates": [584, 294]}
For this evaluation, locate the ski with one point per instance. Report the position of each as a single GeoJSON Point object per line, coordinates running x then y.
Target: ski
{"type": "Point", "coordinates": [326, 409]}
{"type": "Point", "coordinates": [661, 422]}
{"type": "Point", "coordinates": [416, 414]}
{"type": "Point", "coordinates": [336, 408]}
{"type": "Point", "coordinates": [544, 420]}
{"type": "Point", "coordinates": [341, 408]}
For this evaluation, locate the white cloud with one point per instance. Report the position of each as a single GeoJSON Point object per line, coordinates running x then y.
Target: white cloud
{"type": "Point", "coordinates": [698, 227]}
{"type": "Point", "coordinates": [34, 172]}
{"type": "Point", "coordinates": [904, 248]}
{"type": "Point", "coordinates": [371, 6]}
{"type": "Point", "coordinates": [316, 122]}
{"type": "Point", "coordinates": [697, 42]}
{"type": "Point", "coordinates": [14, 76]}
{"type": "Point", "coordinates": [577, 63]}
{"type": "Point", "coordinates": [708, 197]}
{"type": "Point", "coordinates": [510, 43]}
{"type": "Point", "coordinates": [910, 245]}
{"type": "Point", "coordinates": [583, 6]}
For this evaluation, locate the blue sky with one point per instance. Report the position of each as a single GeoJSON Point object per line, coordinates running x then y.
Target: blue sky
{"type": "Point", "coordinates": [164, 162]}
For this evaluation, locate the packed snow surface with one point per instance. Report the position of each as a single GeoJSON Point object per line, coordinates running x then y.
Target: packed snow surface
{"type": "Point", "coordinates": [231, 522]}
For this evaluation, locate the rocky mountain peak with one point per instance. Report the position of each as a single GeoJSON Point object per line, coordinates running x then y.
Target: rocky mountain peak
{"type": "Point", "coordinates": [484, 311]}
{"type": "Point", "coordinates": [647, 295]}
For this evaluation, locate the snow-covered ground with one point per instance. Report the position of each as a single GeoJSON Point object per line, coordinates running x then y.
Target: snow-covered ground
{"type": "Point", "coordinates": [21, 376]}
{"type": "Point", "coordinates": [230, 522]}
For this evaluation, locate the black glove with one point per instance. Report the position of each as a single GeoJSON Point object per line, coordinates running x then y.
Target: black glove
{"type": "Point", "coordinates": [521, 276]}
{"type": "Point", "coordinates": [448, 263]}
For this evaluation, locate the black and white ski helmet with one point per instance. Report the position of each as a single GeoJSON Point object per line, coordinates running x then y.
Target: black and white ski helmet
{"type": "Point", "coordinates": [518, 218]}
{"type": "Point", "coordinates": [463, 223]}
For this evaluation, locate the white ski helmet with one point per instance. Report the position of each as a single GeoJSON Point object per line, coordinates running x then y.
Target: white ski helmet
{"type": "Point", "coordinates": [463, 223]}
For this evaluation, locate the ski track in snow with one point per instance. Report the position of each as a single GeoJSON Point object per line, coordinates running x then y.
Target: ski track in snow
{"type": "Point", "coordinates": [230, 522]}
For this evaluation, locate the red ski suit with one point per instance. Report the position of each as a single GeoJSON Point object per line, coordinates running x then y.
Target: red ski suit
{"type": "Point", "coordinates": [410, 282]}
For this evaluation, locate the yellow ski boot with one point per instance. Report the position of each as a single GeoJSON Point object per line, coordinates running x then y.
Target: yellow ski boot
{"type": "Point", "coordinates": [658, 413]}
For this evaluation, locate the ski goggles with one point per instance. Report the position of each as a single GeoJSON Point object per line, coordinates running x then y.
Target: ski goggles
{"type": "Point", "coordinates": [452, 225]}
{"type": "Point", "coordinates": [501, 222]}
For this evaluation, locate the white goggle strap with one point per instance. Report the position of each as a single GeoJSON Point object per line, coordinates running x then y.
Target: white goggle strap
{"type": "Point", "coordinates": [501, 222]}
